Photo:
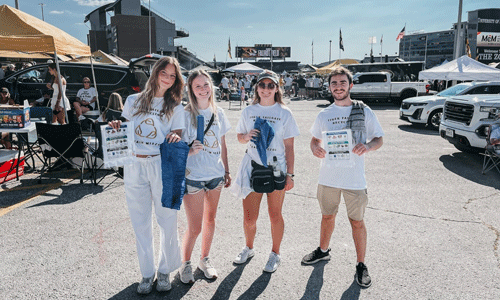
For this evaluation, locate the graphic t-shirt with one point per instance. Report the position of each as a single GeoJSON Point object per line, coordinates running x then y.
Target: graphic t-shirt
{"type": "Point", "coordinates": [87, 95]}
{"type": "Point", "coordinates": [335, 118]}
{"type": "Point", "coordinates": [281, 120]}
{"type": "Point", "coordinates": [150, 130]}
{"type": "Point", "coordinates": [206, 164]}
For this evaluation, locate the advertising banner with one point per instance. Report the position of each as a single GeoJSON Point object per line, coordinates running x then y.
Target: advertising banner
{"type": "Point", "coordinates": [488, 36]}
{"type": "Point", "coordinates": [260, 51]}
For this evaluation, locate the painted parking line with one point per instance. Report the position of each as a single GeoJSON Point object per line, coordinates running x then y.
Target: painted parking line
{"type": "Point", "coordinates": [6, 210]}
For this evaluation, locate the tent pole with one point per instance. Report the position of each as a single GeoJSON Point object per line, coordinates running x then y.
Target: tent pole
{"type": "Point", "coordinates": [95, 84]}
{"type": "Point", "coordinates": [60, 85]}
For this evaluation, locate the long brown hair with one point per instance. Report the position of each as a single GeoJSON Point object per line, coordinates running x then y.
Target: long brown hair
{"type": "Point", "coordinates": [172, 96]}
{"type": "Point", "coordinates": [278, 96]}
{"type": "Point", "coordinates": [192, 106]}
{"type": "Point", "coordinates": [114, 102]}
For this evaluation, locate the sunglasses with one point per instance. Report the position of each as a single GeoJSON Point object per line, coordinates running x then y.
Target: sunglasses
{"type": "Point", "coordinates": [5, 92]}
{"type": "Point", "coordinates": [86, 82]}
{"type": "Point", "coordinates": [270, 86]}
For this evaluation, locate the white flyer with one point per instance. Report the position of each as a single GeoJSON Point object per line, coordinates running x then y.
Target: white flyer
{"type": "Point", "coordinates": [117, 144]}
{"type": "Point", "coordinates": [338, 146]}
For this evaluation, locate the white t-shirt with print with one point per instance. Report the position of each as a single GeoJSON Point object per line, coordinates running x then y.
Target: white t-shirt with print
{"type": "Point", "coordinates": [87, 95]}
{"type": "Point", "coordinates": [281, 120]}
{"type": "Point", "coordinates": [206, 164]}
{"type": "Point", "coordinates": [335, 118]}
{"type": "Point", "coordinates": [150, 130]}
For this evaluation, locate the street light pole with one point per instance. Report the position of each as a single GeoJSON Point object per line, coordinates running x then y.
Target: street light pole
{"type": "Point", "coordinates": [41, 5]}
{"type": "Point", "coordinates": [330, 53]}
{"type": "Point", "coordinates": [17, 4]}
{"type": "Point", "coordinates": [150, 26]}
{"type": "Point", "coordinates": [458, 42]}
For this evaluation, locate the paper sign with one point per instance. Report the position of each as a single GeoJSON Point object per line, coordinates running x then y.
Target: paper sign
{"type": "Point", "coordinates": [338, 146]}
{"type": "Point", "coordinates": [117, 144]}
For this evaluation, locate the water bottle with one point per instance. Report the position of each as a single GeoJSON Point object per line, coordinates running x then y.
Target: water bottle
{"type": "Point", "coordinates": [200, 120]}
{"type": "Point", "coordinates": [276, 167]}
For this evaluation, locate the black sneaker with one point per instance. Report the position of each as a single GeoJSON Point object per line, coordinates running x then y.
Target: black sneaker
{"type": "Point", "coordinates": [316, 256]}
{"type": "Point", "coordinates": [362, 277]}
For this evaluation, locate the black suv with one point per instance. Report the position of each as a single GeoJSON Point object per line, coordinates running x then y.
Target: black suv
{"type": "Point", "coordinates": [124, 80]}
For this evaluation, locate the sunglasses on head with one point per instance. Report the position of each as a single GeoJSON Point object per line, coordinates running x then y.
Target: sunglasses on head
{"type": "Point", "coordinates": [270, 86]}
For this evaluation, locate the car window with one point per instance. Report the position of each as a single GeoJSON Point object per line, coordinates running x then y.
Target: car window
{"type": "Point", "coordinates": [495, 89]}
{"type": "Point", "coordinates": [104, 76]}
{"type": "Point", "coordinates": [75, 74]}
{"type": "Point", "coordinates": [140, 78]}
{"type": "Point", "coordinates": [485, 89]}
{"type": "Point", "coordinates": [35, 75]}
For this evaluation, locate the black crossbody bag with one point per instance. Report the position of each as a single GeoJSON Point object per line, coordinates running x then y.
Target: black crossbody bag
{"type": "Point", "coordinates": [206, 129]}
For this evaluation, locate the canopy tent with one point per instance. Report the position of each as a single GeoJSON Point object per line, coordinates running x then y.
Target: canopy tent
{"type": "Point", "coordinates": [20, 31]}
{"type": "Point", "coordinates": [244, 68]}
{"type": "Point", "coordinates": [308, 69]}
{"type": "Point", "coordinates": [328, 68]}
{"type": "Point", "coordinates": [102, 57]}
{"type": "Point", "coordinates": [462, 68]}
{"type": "Point", "coordinates": [204, 68]}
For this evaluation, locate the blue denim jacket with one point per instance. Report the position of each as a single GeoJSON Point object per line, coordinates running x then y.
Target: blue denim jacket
{"type": "Point", "coordinates": [173, 171]}
{"type": "Point", "coordinates": [263, 140]}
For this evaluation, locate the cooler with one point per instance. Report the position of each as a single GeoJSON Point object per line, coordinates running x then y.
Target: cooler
{"type": "Point", "coordinates": [8, 163]}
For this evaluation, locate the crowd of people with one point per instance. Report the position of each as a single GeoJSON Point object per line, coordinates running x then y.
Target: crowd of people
{"type": "Point", "coordinates": [268, 128]}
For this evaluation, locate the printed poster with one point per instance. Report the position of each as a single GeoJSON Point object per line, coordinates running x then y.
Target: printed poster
{"type": "Point", "coordinates": [338, 146]}
{"type": "Point", "coordinates": [117, 144]}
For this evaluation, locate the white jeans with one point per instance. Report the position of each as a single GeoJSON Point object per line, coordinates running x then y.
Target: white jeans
{"type": "Point", "coordinates": [143, 188]}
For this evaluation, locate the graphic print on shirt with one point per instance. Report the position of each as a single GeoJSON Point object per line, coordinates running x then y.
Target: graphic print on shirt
{"type": "Point", "coordinates": [146, 129]}
{"type": "Point", "coordinates": [210, 140]}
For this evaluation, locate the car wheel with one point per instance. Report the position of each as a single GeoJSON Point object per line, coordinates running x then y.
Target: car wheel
{"type": "Point", "coordinates": [435, 119]}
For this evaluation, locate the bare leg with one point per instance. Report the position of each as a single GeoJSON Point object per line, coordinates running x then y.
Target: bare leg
{"type": "Point", "coordinates": [327, 227]}
{"type": "Point", "coordinates": [209, 213]}
{"type": "Point", "coordinates": [359, 236]}
{"type": "Point", "coordinates": [275, 205]}
{"type": "Point", "coordinates": [251, 205]}
{"type": "Point", "coordinates": [193, 204]}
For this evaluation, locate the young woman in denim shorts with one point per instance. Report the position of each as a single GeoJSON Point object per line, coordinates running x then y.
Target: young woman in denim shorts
{"type": "Point", "coordinates": [207, 170]}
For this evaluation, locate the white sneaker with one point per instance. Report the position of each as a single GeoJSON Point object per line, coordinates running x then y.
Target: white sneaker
{"type": "Point", "coordinates": [163, 282]}
{"type": "Point", "coordinates": [244, 255]}
{"type": "Point", "coordinates": [81, 118]}
{"type": "Point", "coordinates": [186, 273]}
{"type": "Point", "coordinates": [207, 268]}
{"type": "Point", "coordinates": [146, 285]}
{"type": "Point", "coordinates": [273, 263]}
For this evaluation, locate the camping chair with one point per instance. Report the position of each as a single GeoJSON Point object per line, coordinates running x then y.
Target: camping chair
{"type": "Point", "coordinates": [235, 99]}
{"type": "Point", "coordinates": [97, 154]}
{"type": "Point", "coordinates": [491, 156]}
{"type": "Point", "coordinates": [62, 142]}
{"type": "Point", "coordinates": [112, 114]}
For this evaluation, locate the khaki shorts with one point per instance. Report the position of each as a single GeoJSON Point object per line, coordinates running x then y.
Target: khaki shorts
{"type": "Point", "coordinates": [355, 201]}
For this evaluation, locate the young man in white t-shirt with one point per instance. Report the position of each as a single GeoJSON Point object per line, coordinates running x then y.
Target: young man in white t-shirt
{"type": "Point", "coordinates": [85, 99]}
{"type": "Point", "coordinates": [224, 83]}
{"type": "Point", "coordinates": [339, 177]}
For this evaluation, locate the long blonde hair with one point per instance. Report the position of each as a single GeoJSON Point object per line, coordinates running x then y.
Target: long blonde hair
{"type": "Point", "coordinates": [114, 102]}
{"type": "Point", "coordinates": [192, 106]}
{"type": "Point", "coordinates": [172, 96]}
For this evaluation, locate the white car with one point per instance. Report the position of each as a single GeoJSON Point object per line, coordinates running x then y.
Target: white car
{"type": "Point", "coordinates": [429, 109]}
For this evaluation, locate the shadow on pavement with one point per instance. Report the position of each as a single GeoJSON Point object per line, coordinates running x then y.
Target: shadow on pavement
{"type": "Point", "coordinates": [257, 287]}
{"type": "Point", "coordinates": [470, 166]}
{"type": "Point", "coordinates": [352, 292]}
{"type": "Point", "coordinates": [71, 193]}
{"type": "Point", "coordinates": [417, 128]}
{"type": "Point", "coordinates": [315, 282]}
{"type": "Point", "coordinates": [227, 285]}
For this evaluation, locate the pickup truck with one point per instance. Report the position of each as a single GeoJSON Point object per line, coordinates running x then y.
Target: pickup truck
{"type": "Point", "coordinates": [466, 119]}
{"type": "Point", "coordinates": [378, 86]}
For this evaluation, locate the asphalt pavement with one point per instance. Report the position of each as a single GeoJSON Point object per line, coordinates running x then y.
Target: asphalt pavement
{"type": "Point", "coordinates": [432, 220]}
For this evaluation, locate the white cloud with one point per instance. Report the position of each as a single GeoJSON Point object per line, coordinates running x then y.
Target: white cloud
{"type": "Point", "coordinates": [93, 2]}
{"type": "Point", "coordinates": [57, 12]}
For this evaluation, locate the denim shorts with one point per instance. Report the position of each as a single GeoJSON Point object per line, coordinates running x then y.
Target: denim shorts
{"type": "Point", "coordinates": [194, 186]}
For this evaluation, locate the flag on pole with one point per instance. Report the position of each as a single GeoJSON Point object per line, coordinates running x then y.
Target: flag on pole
{"type": "Point", "coordinates": [229, 49]}
{"type": "Point", "coordinates": [469, 54]}
{"type": "Point", "coordinates": [341, 42]}
{"type": "Point", "coordinates": [381, 39]}
{"type": "Point", "coordinates": [215, 62]}
{"type": "Point", "coordinates": [401, 34]}
{"type": "Point", "coordinates": [312, 52]}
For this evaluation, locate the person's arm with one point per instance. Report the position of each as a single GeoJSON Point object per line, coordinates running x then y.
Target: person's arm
{"type": "Point", "coordinates": [373, 145]}
{"type": "Point", "coordinates": [316, 148]}
{"type": "Point", "coordinates": [225, 162]}
{"type": "Point", "coordinates": [290, 162]}
{"type": "Point", "coordinates": [244, 138]}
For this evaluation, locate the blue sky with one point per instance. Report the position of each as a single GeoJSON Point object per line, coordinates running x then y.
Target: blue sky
{"type": "Point", "coordinates": [294, 24]}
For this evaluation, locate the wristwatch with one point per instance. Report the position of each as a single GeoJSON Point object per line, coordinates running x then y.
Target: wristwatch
{"type": "Point", "coordinates": [290, 174]}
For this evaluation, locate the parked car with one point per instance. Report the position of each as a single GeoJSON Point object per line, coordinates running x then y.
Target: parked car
{"type": "Point", "coordinates": [429, 109]}
{"type": "Point", "coordinates": [466, 120]}
{"type": "Point", "coordinates": [124, 80]}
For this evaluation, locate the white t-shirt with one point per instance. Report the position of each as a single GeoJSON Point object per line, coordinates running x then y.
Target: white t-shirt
{"type": "Point", "coordinates": [248, 83]}
{"type": "Point", "coordinates": [87, 95]}
{"type": "Point", "coordinates": [316, 82]}
{"type": "Point", "coordinates": [151, 130]}
{"type": "Point", "coordinates": [309, 82]}
{"type": "Point", "coordinates": [225, 83]}
{"type": "Point", "coordinates": [335, 118]}
{"type": "Point", "coordinates": [288, 81]}
{"type": "Point", "coordinates": [207, 164]}
{"type": "Point", "coordinates": [281, 120]}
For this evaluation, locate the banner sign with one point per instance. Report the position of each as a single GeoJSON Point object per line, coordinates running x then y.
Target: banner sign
{"type": "Point", "coordinates": [260, 51]}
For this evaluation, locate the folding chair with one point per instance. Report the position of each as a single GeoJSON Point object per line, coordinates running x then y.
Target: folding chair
{"type": "Point", "coordinates": [96, 152]}
{"type": "Point", "coordinates": [235, 97]}
{"type": "Point", "coordinates": [41, 112]}
{"type": "Point", "coordinates": [491, 156]}
{"type": "Point", "coordinates": [62, 142]}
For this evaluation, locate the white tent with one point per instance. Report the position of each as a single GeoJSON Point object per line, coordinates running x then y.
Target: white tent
{"type": "Point", "coordinates": [462, 68]}
{"type": "Point", "coordinates": [244, 68]}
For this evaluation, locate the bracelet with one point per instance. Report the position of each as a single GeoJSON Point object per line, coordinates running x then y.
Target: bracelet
{"type": "Point", "coordinates": [290, 174]}
{"type": "Point", "coordinates": [227, 172]}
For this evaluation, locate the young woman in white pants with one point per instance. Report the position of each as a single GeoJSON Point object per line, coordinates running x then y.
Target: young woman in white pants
{"type": "Point", "coordinates": [157, 115]}
{"type": "Point", "coordinates": [207, 171]}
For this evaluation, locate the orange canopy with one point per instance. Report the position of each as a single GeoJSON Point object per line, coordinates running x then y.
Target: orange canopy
{"type": "Point", "coordinates": [20, 31]}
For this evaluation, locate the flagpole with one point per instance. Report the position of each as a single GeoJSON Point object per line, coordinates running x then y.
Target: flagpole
{"type": "Point", "coordinates": [312, 53]}
{"type": "Point", "coordinates": [381, 42]}
{"type": "Point", "coordinates": [425, 53]}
